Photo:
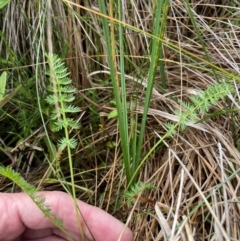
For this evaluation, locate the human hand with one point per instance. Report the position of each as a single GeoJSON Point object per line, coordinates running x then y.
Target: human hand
{"type": "Point", "coordinates": [21, 220]}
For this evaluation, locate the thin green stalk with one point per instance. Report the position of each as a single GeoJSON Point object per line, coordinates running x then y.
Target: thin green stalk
{"type": "Point", "coordinates": [193, 20]}
{"type": "Point", "coordinates": [200, 104]}
{"type": "Point", "coordinates": [77, 210]}
{"type": "Point", "coordinates": [122, 76]}
{"type": "Point", "coordinates": [154, 59]}
{"type": "Point", "coordinates": [165, 6]}
{"type": "Point", "coordinates": [41, 32]}
{"type": "Point", "coordinates": [167, 43]}
{"type": "Point", "coordinates": [123, 89]}
{"type": "Point", "coordinates": [61, 115]}
{"type": "Point", "coordinates": [109, 38]}
{"type": "Point", "coordinates": [133, 129]}
{"type": "Point", "coordinates": [66, 132]}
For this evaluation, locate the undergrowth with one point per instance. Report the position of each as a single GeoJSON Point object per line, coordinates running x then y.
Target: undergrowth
{"type": "Point", "coordinates": [37, 198]}
{"type": "Point", "coordinates": [61, 99]}
{"type": "Point", "coordinates": [142, 99]}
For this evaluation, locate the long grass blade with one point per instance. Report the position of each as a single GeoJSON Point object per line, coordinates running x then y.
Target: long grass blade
{"type": "Point", "coordinates": [109, 38]}
{"type": "Point", "coordinates": [164, 7]}
{"type": "Point", "coordinates": [154, 60]}
{"type": "Point", "coordinates": [196, 28]}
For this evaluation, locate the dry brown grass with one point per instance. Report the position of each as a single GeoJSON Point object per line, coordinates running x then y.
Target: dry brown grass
{"type": "Point", "coordinates": [196, 173]}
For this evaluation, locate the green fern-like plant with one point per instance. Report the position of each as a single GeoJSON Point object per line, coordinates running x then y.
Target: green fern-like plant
{"type": "Point", "coordinates": [200, 104]}
{"type": "Point", "coordinates": [61, 95]}
{"type": "Point", "coordinates": [136, 190]}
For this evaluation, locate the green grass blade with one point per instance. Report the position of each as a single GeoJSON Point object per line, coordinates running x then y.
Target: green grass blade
{"type": "Point", "coordinates": [193, 20]}
{"type": "Point", "coordinates": [109, 38]}
{"type": "Point", "coordinates": [123, 88]}
{"type": "Point", "coordinates": [3, 81]}
{"type": "Point", "coordinates": [3, 3]}
{"type": "Point", "coordinates": [164, 7]}
{"type": "Point", "coordinates": [155, 52]}
{"type": "Point", "coordinates": [186, 53]}
{"type": "Point", "coordinates": [9, 96]}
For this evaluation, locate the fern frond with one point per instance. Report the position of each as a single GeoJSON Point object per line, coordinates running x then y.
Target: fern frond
{"type": "Point", "coordinates": [71, 109]}
{"type": "Point", "coordinates": [66, 123]}
{"type": "Point", "coordinates": [18, 179]}
{"type": "Point", "coordinates": [51, 99]}
{"type": "Point", "coordinates": [185, 105]}
{"type": "Point", "coordinates": [66, 98]}
{"type": "Point", "coordinates": [61, 81]}
{"type": "Point", "coordinates": [64, 142]}
{"type": "Point", "coordinates": [62, 96]}
{"type": "Point", "coordinates": [171, 128]}
{"type": "Point", "coordinates": [59, 69]}
{"type": "Point", "coordinates": [192, 114]}
{"type": "Point", "coordinates": [66, 81]}
{"type": "Point", "coordinates": [202, 102]}
{"type": "Point", "coordinates": [183, 120]}
{"type": "Point", "coordinates": [67, 109]}
{"type": "Point", "coordinates": [64, 87]}
{"type": "Point", "coordinates": [64, 92]}
{"type": "Point", "coordinates": [67, 89]}
{"type": "Point", "coordinates": [55, 114]}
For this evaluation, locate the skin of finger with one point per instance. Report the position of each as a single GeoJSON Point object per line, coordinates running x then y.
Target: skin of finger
{"type": "Point", "coordinates": [100, 225]}
{"type": "Point", "coordinates": [36, 234]}
{"type": "Point", "coordinates": [11, 226]}
{"type": "Point", "coordinates": [26, 214]}
{"type": "Point", "coordinates": [50, 238]}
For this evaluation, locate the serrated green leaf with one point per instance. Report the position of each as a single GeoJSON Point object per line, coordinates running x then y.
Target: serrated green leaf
{"type": "Point", "coordinates": [67, 89]}
{"type": "Point", "coordinates": [65, 81]}
{"type": "Point", "coordinates": [72, 123]}
{"type": "Point", "coordinates": [66, 98]}
{"type": "Point", "coordinates": [72, 143]}
{"type": "Point", "coordinates": [55, 114]}
{"type": "Point", "coordinates": [137, 190]}
{"type": "Point", "coordinates": [67, 123]}
{"type": "Point", "coordinates": [64, 142]}
{"type": "Point", "coordinates": [170, 128]}
{"type": "Point", "coordinates": [72, 109]}
{"type": "Point", "coordinates": [192, 114]}
{"type": "Point", "coordinates": [57, 126]}
{"type": "Point", "coordinates": [51, 100]}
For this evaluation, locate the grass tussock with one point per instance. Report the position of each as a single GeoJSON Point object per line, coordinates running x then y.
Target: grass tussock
{"type": "Point", "coordinates": [125, 66]}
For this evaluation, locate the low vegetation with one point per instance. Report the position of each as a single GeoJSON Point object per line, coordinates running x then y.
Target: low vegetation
{"type": "Point", "coordinates": [132, 106]}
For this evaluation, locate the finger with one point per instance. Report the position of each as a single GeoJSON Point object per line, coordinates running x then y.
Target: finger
{"type": "Point", "coordinates": [99, 224]}
{"type": "Point", "coordinates": [49, 238]}
{"type": "Point", "coordinates": [14, 209]}
{"type": "Point", "coordinates": [37, 234]}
